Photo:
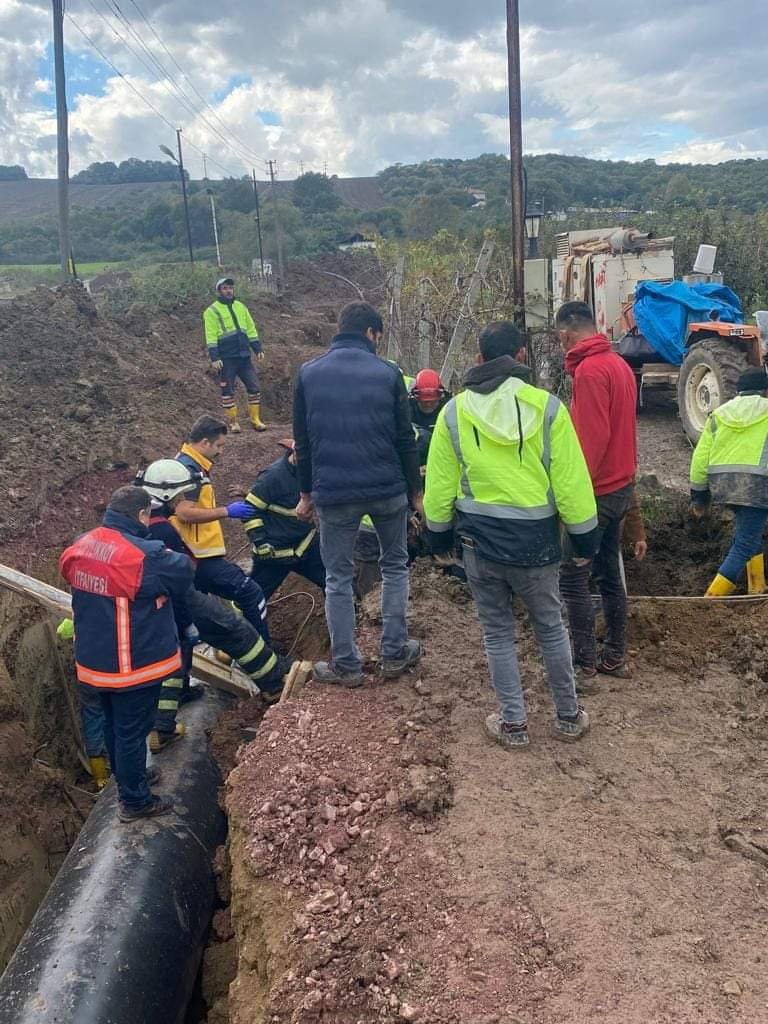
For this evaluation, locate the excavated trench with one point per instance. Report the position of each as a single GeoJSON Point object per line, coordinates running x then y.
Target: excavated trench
{"type": "Point", "coordinates": [46, 798]}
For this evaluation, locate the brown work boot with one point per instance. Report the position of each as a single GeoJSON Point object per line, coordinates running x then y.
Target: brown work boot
{"type": "Point", "coordinates": [154, 809]}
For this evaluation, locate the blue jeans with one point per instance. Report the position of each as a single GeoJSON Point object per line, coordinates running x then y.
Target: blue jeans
{"type": "Point", "coordinates": [338, 530]}
{"type": "Point", "coordinates": [493, 587]}
{"type": "Point", "coordinates": [92, 718]}
{"type": "Point", "coordinates": [128, 718]}
{"type": "Point", "coordinates": [747, 540]}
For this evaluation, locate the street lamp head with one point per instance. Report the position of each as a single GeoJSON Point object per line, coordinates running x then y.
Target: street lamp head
{"type": "Point", "coordinates": [533, 221]}
{"type": "Point", "coordinates": [169, 152]}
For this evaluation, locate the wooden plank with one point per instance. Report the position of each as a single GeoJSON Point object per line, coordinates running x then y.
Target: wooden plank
{"type": "Point", "coordinates": [205, 667]}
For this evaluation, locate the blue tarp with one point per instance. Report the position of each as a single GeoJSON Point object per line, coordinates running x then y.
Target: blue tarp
{"type": "Point", "coordinates": [663, 312]}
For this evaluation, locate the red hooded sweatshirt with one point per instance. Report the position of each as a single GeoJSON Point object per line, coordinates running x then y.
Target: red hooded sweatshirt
{"type": "Point", "coordinates": [604, 412]}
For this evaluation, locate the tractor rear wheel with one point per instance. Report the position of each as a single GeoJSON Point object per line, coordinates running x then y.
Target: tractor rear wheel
{"type": "Point", "coordinates": [707, 378]}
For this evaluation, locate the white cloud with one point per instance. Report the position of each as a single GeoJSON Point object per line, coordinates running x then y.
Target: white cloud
{"type": "Point", "coordinates": [358, 84]}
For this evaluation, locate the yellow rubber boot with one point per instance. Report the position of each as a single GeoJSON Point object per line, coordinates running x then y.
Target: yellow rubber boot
{"type": "Point", "coordinates": [720, 587]}
{"type": "Point", "coordinates": [254, 413]}
{"type": "Point", "coordinates": [756, 575]}
{"type": "Point", "coordinates": [234, 426]}
{"type": "Point", "coordinates": [99, 771]}
{"type": "Point", "coordinates": [160, 740]}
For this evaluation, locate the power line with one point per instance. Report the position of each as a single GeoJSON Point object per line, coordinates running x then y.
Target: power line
{"type": "Point", "coordinates": [228, 171]}
{"type": "Point", "coordinates": [189, 81]}
{"type": "Point", "coordinates": [241, 146]}
{"type": "Point", "coordinates": [165, 78]}
{"type": "Point", "coordinates": [238, 148]}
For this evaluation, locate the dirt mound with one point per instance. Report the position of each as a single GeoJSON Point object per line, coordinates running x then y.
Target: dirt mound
{"type": "Point", "coordinates": [319, 283]}
{"type": "Point", "coordinates": [81, 393]}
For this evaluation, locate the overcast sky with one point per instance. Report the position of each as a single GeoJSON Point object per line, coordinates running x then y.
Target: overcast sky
{"type": "Point", "coordinates": [356, 85]}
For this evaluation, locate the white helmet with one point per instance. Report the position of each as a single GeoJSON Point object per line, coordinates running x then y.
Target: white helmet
{"type": "Point", "coordinates": [166, 479]}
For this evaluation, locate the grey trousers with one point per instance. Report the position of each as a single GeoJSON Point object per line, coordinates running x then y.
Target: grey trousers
{"type": "Point", "coordinates": [493, 586]}
{"type": "Point", "coordinates": [338, 530]}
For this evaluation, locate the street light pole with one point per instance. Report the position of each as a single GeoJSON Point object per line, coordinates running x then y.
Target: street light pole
{"type": "Point", "coordinates": [215, 227]}
{"type": "Point", "coordinates": [516, 162]}
{"type": "Point", "coordinates": [257, 217]}
{"type": "Point", "coordinates": [184, 194]}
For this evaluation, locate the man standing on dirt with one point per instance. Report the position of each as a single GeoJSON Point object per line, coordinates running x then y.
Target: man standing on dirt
{"type": "Point", "coordinates": [126, 644]}
{"type": "Point", "coordinates": [356, 455]}
{"type": "Point", "coordinates": [197, 517]}
{"type": "Point", "coordinates": [604, 414]}
{"type": "Point", "coordinates": [510, 453]}
{"type": "Point", "coordinates": [729, 467]}
{"type": "Point", "coordinates": [230, 337]}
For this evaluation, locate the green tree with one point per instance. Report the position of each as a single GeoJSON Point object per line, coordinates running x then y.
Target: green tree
{"type": "Point", "coordinates": [314, 193]}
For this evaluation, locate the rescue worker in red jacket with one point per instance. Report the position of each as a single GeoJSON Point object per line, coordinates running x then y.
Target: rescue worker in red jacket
{"type": "Point", "coordinates": [604, 412]}
{"type": "Point", "coordinates": [126, 643]}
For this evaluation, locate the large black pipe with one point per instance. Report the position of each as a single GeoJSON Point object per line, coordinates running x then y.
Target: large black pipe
{"type": "Point", "coordinates": [119, 936]}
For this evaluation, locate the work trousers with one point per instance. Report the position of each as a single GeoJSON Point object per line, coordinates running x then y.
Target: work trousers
{"type": "Point", "coordinates": [225, 579]}
{"type": "Point", "coordinates": [493, 587]}
{"type": "Point", "coordinates": [128, 718]}
{"type": "Point", "coordinates": [338, 530]}
{"type": "Point", "coordinates": [92, 718]}
{"type": "Point", "coordinates": [606, 570]}
{"type": "Point", "coordinates": [269, 573]}
{"type": "Point", "coordinates": [243, 368]}
{"type": "Point", "coordinates": [747, 540]}
{"type": "Point", "coordinates": [222, 628]}
{"type": "Point", "coordinates": [172, 691]}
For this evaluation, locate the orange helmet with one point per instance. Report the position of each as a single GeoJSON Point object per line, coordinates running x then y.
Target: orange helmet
{"type": "Point", "coordinates": [428, 385]}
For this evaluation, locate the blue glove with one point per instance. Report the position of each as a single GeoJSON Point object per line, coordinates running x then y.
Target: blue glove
{"type": "Point", "coordinates": [255, 346]}
{"type": "Point", "coordinates": [241, 510]}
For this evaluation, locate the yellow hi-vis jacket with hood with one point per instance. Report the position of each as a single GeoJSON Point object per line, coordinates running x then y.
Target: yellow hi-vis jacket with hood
{"type": "Point", "coordinates": [730, 462]}
{"type": "Point", "coordinates": [504, 466]}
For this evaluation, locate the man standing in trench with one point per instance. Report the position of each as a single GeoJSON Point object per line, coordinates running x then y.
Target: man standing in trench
{"type": "Point", "coordinates": [126, 643]}
{"type": "Point", "coordinates": [356, 455]}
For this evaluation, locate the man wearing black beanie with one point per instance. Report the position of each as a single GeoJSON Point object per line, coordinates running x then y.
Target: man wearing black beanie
{"type": "Point", "coordinates": [730, 465]}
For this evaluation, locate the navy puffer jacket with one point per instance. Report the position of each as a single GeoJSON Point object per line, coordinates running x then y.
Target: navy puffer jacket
{"type": "Point", "coordinates": [352, 427]}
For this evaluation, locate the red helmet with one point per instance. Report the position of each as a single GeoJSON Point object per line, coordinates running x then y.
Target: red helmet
{"type": "Point", "coordinates": [428, 385]}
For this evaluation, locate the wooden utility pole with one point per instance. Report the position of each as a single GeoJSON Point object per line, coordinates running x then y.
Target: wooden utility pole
{"type": "Point", "coordinates": [62, 136]}
{"type": "Point", "coordinates": [516, 162]}
{"type": "Point", "coordinates": [184, 194]}
{"type": "Point", "coordinates": [461, 329]}
{"type": "Point", "coordinates": [278, 231]}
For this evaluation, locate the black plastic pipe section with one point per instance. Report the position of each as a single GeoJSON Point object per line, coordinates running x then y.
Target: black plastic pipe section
{"type": "Point", "coordinates": [119, 936]}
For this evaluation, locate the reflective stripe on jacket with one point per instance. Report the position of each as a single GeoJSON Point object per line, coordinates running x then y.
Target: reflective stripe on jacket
{"type": "Point", "coordinates": [730, 462]}
{"type": "Point", "coordinates": [276, 531]}
{"type": "Point", "coordinates": [204, 540]}
{"type": "Point", "coordinates": [506, 463]}
{"type": "Point", "coordinates": [229, 330]}
{"type": "Point", "coordinates": [122, 589]}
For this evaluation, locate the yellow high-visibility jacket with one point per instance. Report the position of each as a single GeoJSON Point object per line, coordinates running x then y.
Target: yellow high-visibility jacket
{"type": "Point", "coordinates": [230, 332]}
{"type": "Point", "coordinates": [204, 540]}
{"type": "Point", "coordinates": [730, 462]}
{"type": "Point", "coordinates": [504, 468]}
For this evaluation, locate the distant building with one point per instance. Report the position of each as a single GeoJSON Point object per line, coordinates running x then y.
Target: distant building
{"type": "Point", "coordinates": [357, 242]}
{"type": "Point", "coordinates": [480, 196]}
